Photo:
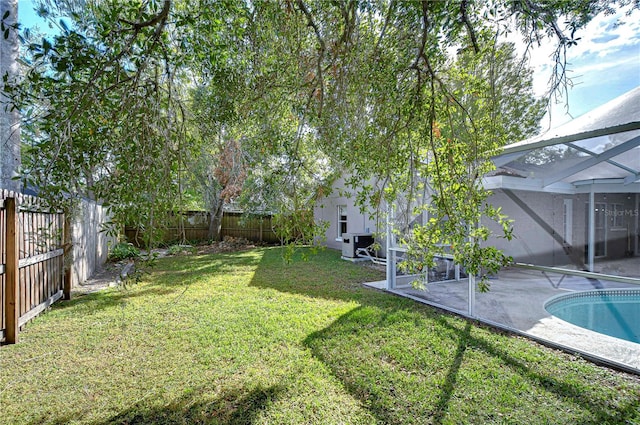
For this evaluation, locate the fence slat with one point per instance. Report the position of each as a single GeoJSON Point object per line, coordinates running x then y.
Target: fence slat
{"type": "Point", "coordinates": [39, 258]}
{"type": "Point", "coordinates": [66, 241]}
{"type": "Point", "coordinates": [33, 271]}
{"type": "Point", "coordinates": [22, 293]}
{"type": "Point", "coordinates": [39, 308]}
{"type": "Point", "coordinates": [11, 296]}
{"type": "Point", "coordinates": [3, 234]}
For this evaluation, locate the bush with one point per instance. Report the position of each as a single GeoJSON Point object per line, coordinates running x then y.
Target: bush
{"type": "Point", "coordinates": [181, 249]}
{"type": "Point", "coordinates": [123, 250]}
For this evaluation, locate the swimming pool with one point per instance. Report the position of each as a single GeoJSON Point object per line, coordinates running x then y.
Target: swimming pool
{"type": "Point", "coordinates": [613, 312]}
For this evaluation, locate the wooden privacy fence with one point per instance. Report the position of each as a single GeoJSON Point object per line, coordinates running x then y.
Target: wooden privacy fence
{"type": "Point", "coordinates": [32, 268]}
{"type": "Point", "coordinates": [196, 228]}
{"type": "Point", "coordinates": [253, 228]}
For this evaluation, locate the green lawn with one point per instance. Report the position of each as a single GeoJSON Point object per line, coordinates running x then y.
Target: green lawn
{"type": "Point", "coordinates": [243, 338]}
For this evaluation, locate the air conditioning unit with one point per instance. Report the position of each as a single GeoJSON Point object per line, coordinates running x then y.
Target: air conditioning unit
{"type": "Point", "coordinates": [352, 241]}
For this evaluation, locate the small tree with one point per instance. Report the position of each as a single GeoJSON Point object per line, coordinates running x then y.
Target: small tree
{"type": "Point", "coordinates": [220, 173]}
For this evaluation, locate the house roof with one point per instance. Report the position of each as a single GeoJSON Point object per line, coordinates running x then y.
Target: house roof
{"type": "Point", "coordinates": [619, 115]}
{"type": "Point", "coordinates": [602, 145]}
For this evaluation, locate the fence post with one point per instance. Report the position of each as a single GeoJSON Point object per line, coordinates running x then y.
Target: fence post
{"type": "Point", "coordinates": [68, 251]}
{"type": "Point", "coordinates": [12, 289]}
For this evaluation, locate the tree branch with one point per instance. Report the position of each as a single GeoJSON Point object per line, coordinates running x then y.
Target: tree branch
{"type": "Point", "coordinates": [464, 5]}
{"type": "Point", "coordinates": [387, 19]}
{"type": "Point", "coordinates": [161, 18]}
{"type": "Point", "coordinates": [322, 50]}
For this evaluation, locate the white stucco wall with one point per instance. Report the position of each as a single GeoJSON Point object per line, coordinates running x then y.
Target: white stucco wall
{"type": "Point", "coordinates": [532, 244]}
{"type": "Point", "coordinates": [326, 210]}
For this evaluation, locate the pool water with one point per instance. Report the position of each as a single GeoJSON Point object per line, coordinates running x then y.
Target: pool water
{"type": "Point", "coordinates": [613, 312]}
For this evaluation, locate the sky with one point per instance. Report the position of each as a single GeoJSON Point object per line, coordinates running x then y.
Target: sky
{"type": "Point", "coordinates": [29, 18]}
{"type": "Point", "coordinates": [604, 64]}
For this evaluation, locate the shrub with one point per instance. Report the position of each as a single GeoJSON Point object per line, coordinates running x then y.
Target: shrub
{"type": "Point", "coordinates": [123, 250]}
{"type": "Point", "coordinates": [181, 249]}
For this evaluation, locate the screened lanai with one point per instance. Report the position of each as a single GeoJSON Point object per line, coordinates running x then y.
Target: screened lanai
{"type": "Point", "coordinates": [574, 192]}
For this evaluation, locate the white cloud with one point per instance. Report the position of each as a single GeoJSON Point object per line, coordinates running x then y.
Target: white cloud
{"type": "Point", "coordinates": [606, 35]}
{"type": "Point", "coordinates": [604, 64]}
{"type": "Point", "coordinates": [623, 62]}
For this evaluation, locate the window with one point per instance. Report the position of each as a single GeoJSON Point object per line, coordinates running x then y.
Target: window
{"type": "Point", "coordinates": [600, 249]}
{"type": "Point", "coordinates": [600, 218]}
{"type": "Point", "coordinates": [342, 220]}
{"type": "Point", "coordinates": [617, 216]}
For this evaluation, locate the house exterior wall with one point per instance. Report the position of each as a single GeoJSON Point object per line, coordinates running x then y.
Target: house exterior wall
{"type": "Point", "coordinates": [327, 210]}
{"type": "Point", "coordinates": [541, 226]}
{"type": "Point", "coordinates": [550, 229]}
{"type": "Point", "coordinates": [538, 223]}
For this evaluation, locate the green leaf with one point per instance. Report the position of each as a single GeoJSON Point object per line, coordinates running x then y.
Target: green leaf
{"type": "Point", "coordinates": [46, 46]}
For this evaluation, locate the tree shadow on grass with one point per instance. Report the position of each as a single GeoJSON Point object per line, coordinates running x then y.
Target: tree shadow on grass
{"type": "Point", "coordinates": [354, 347]}
{"type": "Point", "coordinates": [321, 275]}
{"type": "Point", "coordinates": [170, 277]}
{"type": "Point", "coordinates": [384, 380]}
{"type": "Point", "coordinates": [97, 301]}
{"type": "Point", "coordinates": [233, 406]}
{"type": "Point", "coordinates": [449, 386]}
{"type": "Point", "coordinates": [600, 409]}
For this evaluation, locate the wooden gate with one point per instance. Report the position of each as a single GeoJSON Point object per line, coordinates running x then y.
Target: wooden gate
{"type": "Point", "coordinates": [32, 272]}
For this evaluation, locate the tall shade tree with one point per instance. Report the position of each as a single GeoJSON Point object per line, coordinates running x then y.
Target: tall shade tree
{"type": "Point", "coordinates": [309, 87]}
{"type": "Point", "coordinates": [398, 114]}
{"type": "Point", "coordinates": [10, 156]}
{"type": "Point", "coordinates": [214, 42]}
{"type": "Point", "coordinates": [105, 103]}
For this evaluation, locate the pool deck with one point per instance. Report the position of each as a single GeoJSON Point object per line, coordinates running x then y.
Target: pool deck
{"type": "Point", "coordinates": [516, 301]}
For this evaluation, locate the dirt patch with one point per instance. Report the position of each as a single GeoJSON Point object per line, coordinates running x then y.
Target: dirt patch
{"type": "Point", "coordinates": [108, 276]}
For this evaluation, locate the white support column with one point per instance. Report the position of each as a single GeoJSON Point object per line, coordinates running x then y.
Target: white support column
{"type": "Point", "coordinates": [592, 229]}
{"type": "Point", "coordinates": [472, 285]}
{"type": "Point", "coordinates": [472, 295]}
{"type": "Point", "coordinates": [635, 214]}
{"type": "Point", "coordinates": [391, 253]}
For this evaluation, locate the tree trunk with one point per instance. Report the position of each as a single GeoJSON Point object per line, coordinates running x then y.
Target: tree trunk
{"type": "Point", "coordinates": [215, 220]}
{"type": "Point", "coordinates": [9, 119]}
